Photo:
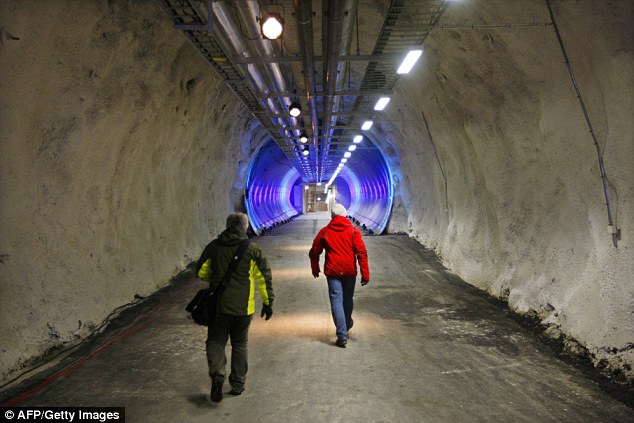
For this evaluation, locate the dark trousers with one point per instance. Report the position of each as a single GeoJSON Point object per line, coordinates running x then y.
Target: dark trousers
{"type": "Point", "coordinates": [235, 328]}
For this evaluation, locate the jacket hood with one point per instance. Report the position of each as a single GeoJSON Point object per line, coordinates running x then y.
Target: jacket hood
{"type": "Point", "coordinates": [339, 224]}
{"type": "Point", "coordinates": [232, 236]}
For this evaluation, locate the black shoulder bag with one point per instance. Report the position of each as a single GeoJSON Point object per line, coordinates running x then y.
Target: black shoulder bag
{"type": "Point", "coordinates": [204, 307]}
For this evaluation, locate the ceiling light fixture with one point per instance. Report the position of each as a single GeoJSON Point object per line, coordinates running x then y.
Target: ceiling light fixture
{"type": "Point", "coordinates": [305, 152]}
{"type": "Point", "coordinates": [382, 103]}
{"type": "Point", "coordinates": [272, 26]}
{"type": "Point", "coordinates": [347, 154]}
{"type": "Point", "coordinates": [294, 110]}
{"type": "Point", "coordinates": [367, 125]}
{"type": "Point", "coordinates": [357, 139]}
{"type": "Point", "coordinates": [303, 138]}
{"type": "Point", "coordinates": [409, 61]}
{"type": "Point", "coordinates": [344, 160]}
{"type": "Point", "coordinates": [352, 147]}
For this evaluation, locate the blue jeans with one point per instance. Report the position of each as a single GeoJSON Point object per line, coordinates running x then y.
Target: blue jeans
{"type": "Point", "coordinates": [341, 291]}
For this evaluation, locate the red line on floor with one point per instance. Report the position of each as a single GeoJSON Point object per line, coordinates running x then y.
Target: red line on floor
{"type": "Point", "coordinates": [136, 326]}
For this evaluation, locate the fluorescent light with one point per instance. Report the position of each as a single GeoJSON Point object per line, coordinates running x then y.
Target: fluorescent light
{"type": "Point", "coordinates": [303, 137]}
{"type": "Point", "coordinates": [382, 103]}
{"type": "Point", "coordinates": [318, 184]}
{"type": "Point", "coordinates": [344, 160]}
{"type": "Point", "coordinates": [409, 61]}
{"type": "Point", "coordinates": [305, 153]}
{"type": "Point", "coordinates": [367, 125]}
{"type": "Point", "coordinates": [357, 139]}
{"type": "Point", "coordinates": [347, 154]}
{"type": "Point", "coordinates": [352, 147]}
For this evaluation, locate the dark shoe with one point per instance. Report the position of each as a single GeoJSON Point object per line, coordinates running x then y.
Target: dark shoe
{"type": "Point", "coordinates": [216, 388]}
{"type": "Point", "coordinates": [341, 342]}
{"type": "Point", "coordinates": [234, 392]}
{"type": "Point", "coordinates": [351, 324]}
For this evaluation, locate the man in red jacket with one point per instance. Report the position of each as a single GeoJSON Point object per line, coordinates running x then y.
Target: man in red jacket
{"type": "Point", "coordinates": [344, 247]}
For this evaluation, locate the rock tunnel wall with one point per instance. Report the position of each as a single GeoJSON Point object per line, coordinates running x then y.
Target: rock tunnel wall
{"type": "Point", "coordinates": [512, 198]}
{"type": "Point", "coordinates": [117, 165]}
{"type": "Point", "coordinates": [121, 153]}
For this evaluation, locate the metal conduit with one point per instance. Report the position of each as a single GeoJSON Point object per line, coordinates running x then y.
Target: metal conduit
{"type": "Point", "coordinates": [612, 229]}
{"type": "Point", "coordinates": [342, 66]}
{"type": "Point", "coordinates": [247, 11]}
{"type": "Point", "coordinates": [303, 14]}
{"type": "Point", "coordinates": [338, 36]}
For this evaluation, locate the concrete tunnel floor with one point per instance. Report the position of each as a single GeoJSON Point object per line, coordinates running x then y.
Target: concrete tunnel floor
{"type": "Point", "coordinates": [425, 346]}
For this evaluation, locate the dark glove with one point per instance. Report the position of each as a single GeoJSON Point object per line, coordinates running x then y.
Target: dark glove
{"type": "Point", "coordinates": [266, 310]}
{"type": "Point", "coordinates": [364, 282]}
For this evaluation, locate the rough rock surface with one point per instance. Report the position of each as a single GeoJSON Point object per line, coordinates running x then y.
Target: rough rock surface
{"type": "Point", "coordinates": [121, 153]}
{"type": "Point", "coordinates": [512, 198]}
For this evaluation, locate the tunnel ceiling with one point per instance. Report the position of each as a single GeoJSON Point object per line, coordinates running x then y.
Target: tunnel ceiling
{"type": "Point", "coordinates": [118, 135]}
{"type": "Point", "coordinates": [319, 62]}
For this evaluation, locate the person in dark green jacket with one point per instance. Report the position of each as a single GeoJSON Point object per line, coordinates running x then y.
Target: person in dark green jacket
{"type": "Point", "coordinates": [237, 304]}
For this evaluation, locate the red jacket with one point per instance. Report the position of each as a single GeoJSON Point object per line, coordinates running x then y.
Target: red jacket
{"type": "Point", "coordinates": [342, 242]}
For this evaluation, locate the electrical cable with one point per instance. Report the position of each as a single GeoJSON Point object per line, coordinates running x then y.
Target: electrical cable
{"type": "Point", "coordinates": [138, 324]}
{"type": "Point", "coordinates": [235, 11]}
{"type": "Point", "coordinates": [70, 349]}
{"type": "Point", "coordinates": [604, 177]}
{"type": "Point", "coordinates": [433, 144]}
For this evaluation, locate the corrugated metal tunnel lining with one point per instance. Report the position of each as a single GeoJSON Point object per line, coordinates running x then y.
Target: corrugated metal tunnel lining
{"type": "Point", "coordinates": [269, 192]}
{"type": "Point", "coordinates": [252, 66]}
{"type": "Point", "coordinates": [274, 189]}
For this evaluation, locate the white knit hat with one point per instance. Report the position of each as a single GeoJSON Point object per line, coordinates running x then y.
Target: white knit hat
{"type": "Point", "coordinates": [338, 210]}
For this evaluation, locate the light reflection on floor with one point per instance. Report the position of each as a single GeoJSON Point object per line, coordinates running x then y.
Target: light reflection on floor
{"type": "Point", "coordinates": [317, 325]}
{"type": "Point", "coordinates": [305, 248]}
{"type": "Point", "coordinates": [293, 273]}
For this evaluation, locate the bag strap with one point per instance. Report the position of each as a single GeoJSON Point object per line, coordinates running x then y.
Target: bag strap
{"type": "Point", "coordinates": [234, 263]}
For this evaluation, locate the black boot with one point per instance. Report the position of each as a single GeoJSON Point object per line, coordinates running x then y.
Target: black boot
{"type": "Point", "coordinates": [216, 388]}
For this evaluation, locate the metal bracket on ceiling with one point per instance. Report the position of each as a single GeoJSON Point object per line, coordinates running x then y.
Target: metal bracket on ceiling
{"type": "Point", "coordinates": [207, 26]}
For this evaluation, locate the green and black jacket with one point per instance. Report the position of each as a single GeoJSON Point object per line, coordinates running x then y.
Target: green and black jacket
{"type": "Point", "coordinates": [253, 270]}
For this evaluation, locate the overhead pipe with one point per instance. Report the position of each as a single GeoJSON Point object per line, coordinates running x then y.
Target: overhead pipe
{"type": "Point", "coordinates": [333, 14]}
{"type": "Point", "coordinates": [247, 11]}
{"type": "Point", "coordinates": [338, 36]}
{"type": "Point", "coordinates": [304, 17]}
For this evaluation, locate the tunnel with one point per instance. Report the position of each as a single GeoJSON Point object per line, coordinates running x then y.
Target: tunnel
{"type": "Point", "coordinates": [274, 192]}
{"type": "Point", "coordinates": [129, 130]}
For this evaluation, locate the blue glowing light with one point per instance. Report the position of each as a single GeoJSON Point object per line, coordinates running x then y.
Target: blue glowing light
{"type": "Point", "coordinates": [270, 183]}
{"type": "Point", "coordinates": [275, 189]}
